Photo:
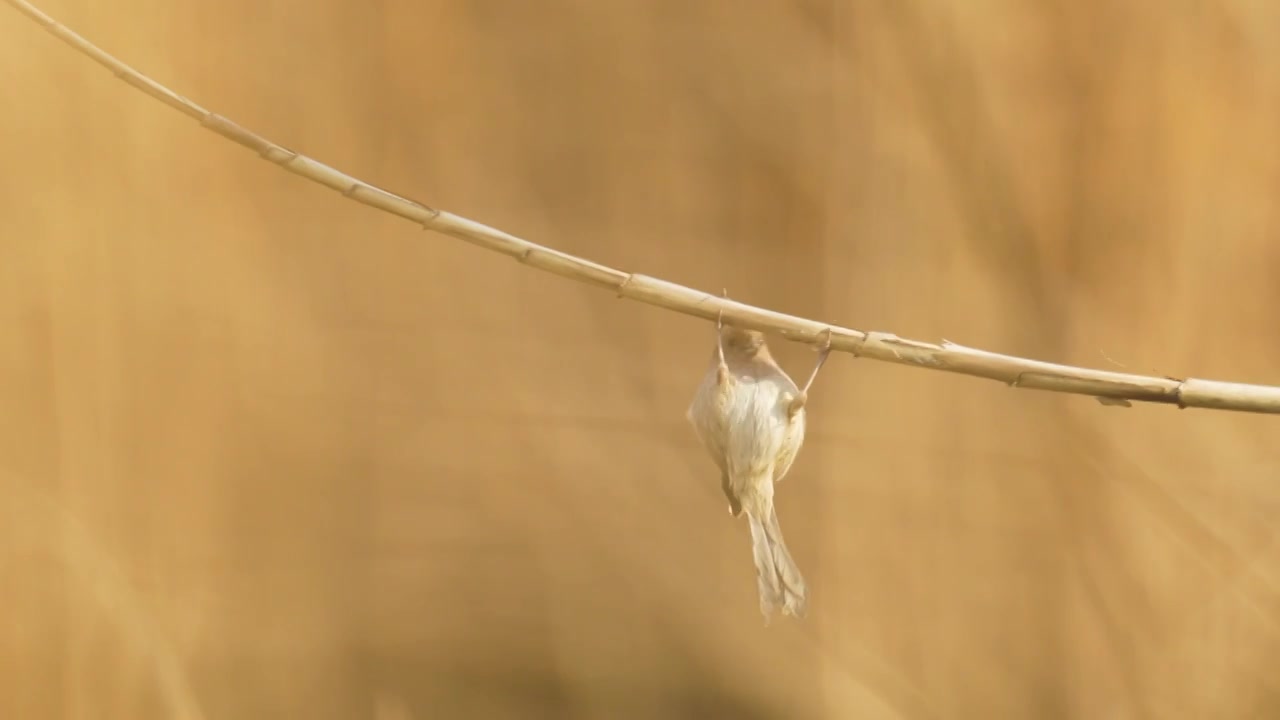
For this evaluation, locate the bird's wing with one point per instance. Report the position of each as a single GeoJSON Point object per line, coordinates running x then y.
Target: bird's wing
{"type": "Point", "coordinates": [790, 447]}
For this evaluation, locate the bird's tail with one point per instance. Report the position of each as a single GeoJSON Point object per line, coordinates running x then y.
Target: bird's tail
{"type": "Point", "coordinates": [780, 582]}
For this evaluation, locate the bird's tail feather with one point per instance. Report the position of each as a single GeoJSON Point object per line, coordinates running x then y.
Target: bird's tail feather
{"type": "Point", "coordinates": [779, 580]}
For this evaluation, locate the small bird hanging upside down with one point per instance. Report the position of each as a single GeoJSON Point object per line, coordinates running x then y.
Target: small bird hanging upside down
{"type": "Point", "coordinates": [751, 418]}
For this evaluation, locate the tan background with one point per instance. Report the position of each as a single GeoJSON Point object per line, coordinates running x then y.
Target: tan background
{"type": "Point", "coordinates": [267, 453]}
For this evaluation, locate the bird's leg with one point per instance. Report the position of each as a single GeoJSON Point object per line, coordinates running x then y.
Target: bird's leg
{"type": "Point", "coordinates": [719, 338]}
{"type": "Point", "coordinates": [722, 370]}
{"type": "Point", "coordinates": [823, 352]}
{"type": "Point", "coordinates": [722, 379]}
{"type": "Point", "coordinates": [798, 402]}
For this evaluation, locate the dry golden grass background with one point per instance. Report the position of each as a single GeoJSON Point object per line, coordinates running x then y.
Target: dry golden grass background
{"type": "Point", "coordinates": [266, 453]}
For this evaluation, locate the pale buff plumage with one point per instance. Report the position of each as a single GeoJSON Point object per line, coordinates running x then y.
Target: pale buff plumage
{"type": "Point", "coordinates": [751, 418]}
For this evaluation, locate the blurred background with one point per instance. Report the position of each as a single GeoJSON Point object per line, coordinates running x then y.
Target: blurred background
{"type": "Point", "coordinates": [268, 453]}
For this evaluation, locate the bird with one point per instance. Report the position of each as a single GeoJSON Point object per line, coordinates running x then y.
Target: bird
{"type": "Point", "coordinates": [750, 417]}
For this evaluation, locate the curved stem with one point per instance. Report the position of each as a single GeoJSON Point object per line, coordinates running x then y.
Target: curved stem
{"type": "Point", "coordinates": [1112, 387]}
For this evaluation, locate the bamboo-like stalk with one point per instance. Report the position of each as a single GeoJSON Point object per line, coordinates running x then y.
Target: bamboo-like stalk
{"type": "Point", "coordinates": [1112, 388]}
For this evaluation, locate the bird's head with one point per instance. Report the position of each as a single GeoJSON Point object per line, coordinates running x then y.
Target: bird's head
{"type": "Point", "coordinates": [741, 341]}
